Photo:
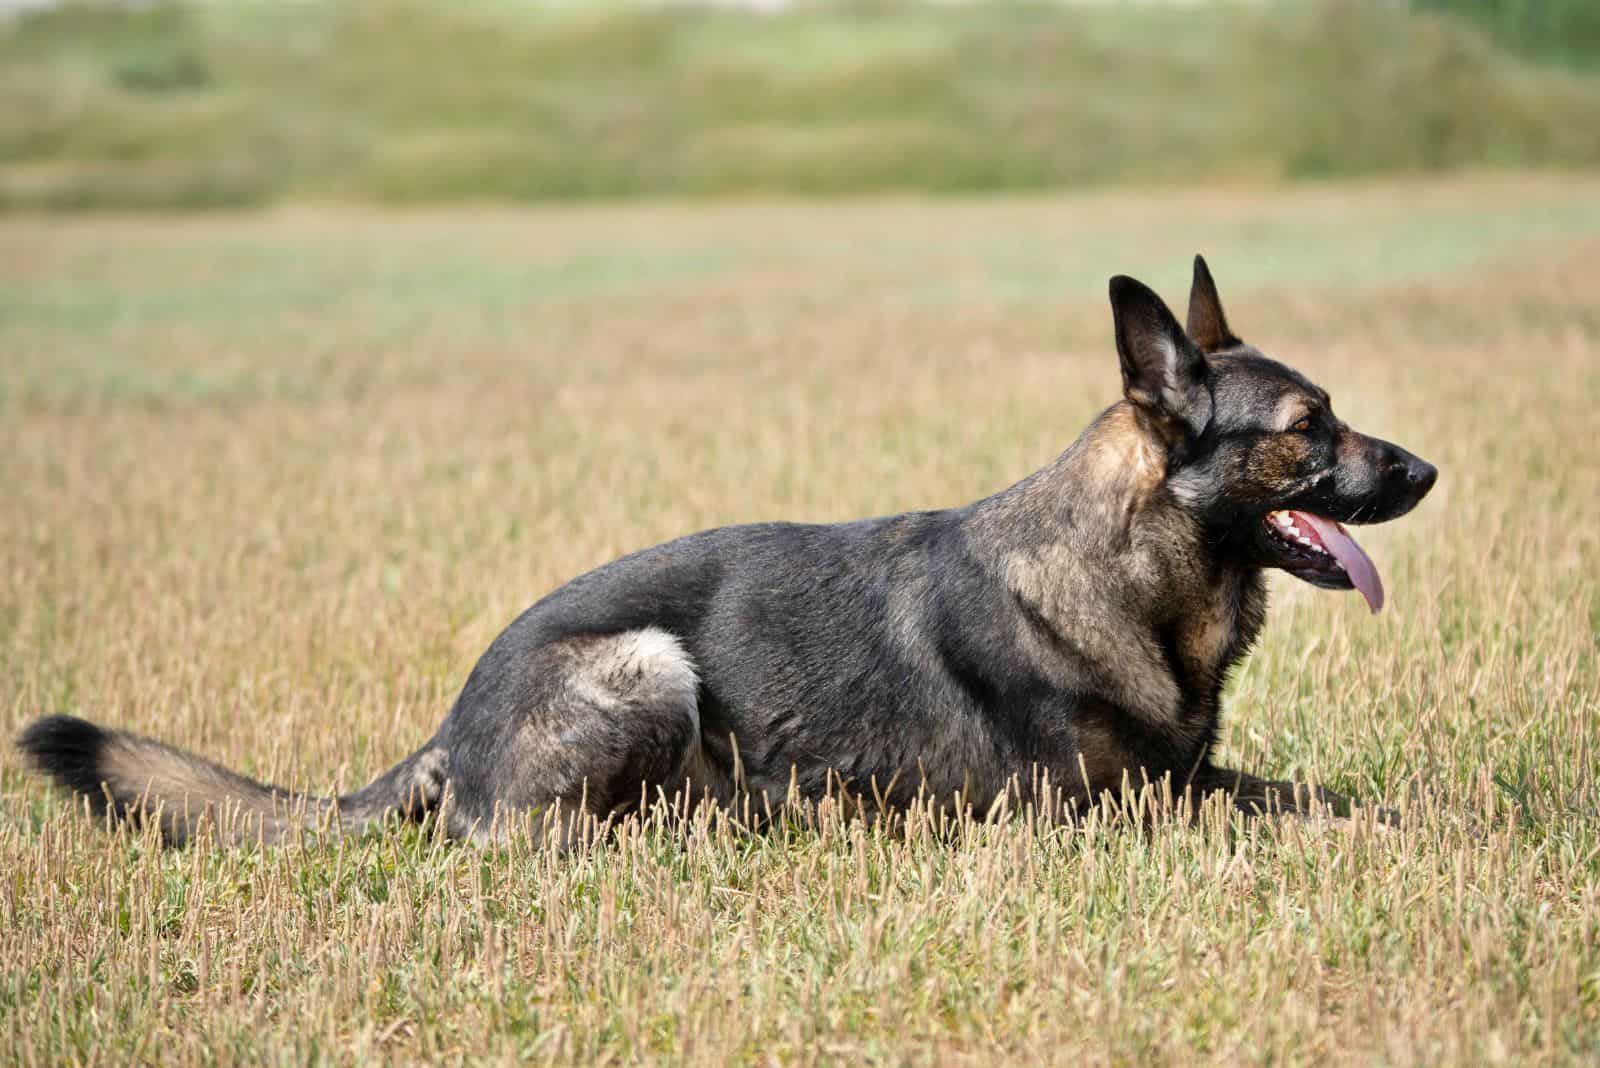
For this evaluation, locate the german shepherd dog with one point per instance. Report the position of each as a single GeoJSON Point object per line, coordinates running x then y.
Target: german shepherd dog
{"type": "Point", "coordinates": [1075, 628]}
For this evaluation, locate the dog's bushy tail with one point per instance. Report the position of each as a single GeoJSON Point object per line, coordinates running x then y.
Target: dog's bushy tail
{"type": "Point", "coordinates": [138, 779]}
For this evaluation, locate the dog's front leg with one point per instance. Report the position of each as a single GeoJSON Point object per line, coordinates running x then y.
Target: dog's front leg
{"type": "Point", "coordinates": [1256, 796]}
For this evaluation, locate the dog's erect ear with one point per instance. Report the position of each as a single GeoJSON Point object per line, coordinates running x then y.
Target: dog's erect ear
{"type": "Point", "coordinates": [1163, 372]}
{"type": "Point", "coordinates": [1207, 325]}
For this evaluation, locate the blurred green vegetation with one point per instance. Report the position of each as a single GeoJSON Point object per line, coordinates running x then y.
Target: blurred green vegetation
{"type": "Point", "coordinates": [1565, 30]}
{"type": "Point", "coordinates": [219, 104]}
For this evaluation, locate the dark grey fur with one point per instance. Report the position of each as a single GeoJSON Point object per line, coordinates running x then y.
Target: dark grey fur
{"type": "Point", "coordinates": [1079, 624]}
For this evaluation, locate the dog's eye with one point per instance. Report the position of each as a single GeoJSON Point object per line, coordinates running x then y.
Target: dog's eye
{"type": "Point", "coordinates": [1303, 426]}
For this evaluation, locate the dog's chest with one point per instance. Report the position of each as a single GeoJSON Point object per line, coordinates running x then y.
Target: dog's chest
{"type": "Point", "coordinates": [1218, 624]}
{"type": "Point", "coordinates": [1203, 637]}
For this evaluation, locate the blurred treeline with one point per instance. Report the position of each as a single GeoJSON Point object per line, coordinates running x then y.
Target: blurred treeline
{"type": "Point", "coordinates": [1565, 30]}
{"type": "Point", "coordinates": [241, 101]}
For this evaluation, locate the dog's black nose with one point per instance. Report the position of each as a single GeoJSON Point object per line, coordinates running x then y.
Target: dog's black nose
{"type": "Point", "coordinates": [1421, 475]}
{"type": "Point", "coordinates": [1408, 474]}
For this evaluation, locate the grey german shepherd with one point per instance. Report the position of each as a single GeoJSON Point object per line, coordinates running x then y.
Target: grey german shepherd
{"type": "Point", "coordinates": [1075, 629]}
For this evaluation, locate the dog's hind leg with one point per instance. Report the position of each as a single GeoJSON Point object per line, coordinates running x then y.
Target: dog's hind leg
{"type": "Point", "coordinates": [581, 728]}
{"type": "Point", "coordinates": [587, 728]}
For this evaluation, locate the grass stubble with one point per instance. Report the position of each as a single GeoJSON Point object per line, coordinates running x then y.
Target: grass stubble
{"type": "Point", "coordinates": [273, 482]}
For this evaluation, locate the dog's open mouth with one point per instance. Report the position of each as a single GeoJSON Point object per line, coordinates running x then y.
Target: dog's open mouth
{"type": "Point", "coordinates": [1322, 552]}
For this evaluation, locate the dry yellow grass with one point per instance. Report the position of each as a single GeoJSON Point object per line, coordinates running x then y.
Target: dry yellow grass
{"type": "Point", "coordinates": [272, 483]}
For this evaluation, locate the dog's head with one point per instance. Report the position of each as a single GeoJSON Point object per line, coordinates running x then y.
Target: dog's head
{"type": "Point", "coordinates": [1255, 453]}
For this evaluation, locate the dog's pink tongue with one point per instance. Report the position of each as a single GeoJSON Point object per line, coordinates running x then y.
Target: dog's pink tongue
{"type": "Point", "coordinates": [1343, 548]}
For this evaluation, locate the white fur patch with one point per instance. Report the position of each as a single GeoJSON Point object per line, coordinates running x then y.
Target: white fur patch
{"type": "Point", "coordinates": [645, 666]}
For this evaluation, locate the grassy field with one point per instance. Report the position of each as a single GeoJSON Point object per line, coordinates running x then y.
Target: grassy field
{"type": "Point", "coordinates": [213, 103]}
{"type": "Point", "coordinates": [273, 481]}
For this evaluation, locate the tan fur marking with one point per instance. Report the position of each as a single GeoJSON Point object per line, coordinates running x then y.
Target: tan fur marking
{"type": "Point", "coordinates": [1127, 457]}
{"type": "Point", "coordinates": [1205, 633]}
{"type": "Point", "coordinates": [1280, 460]}
{"type": "Point", "coordinates": [1071, 594]}
{"type": "Point", "coordinates": [1292, 407]}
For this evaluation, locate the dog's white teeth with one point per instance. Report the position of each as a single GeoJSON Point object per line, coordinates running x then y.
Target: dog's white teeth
{"type": "Point", "coordinates": [1283, 522]}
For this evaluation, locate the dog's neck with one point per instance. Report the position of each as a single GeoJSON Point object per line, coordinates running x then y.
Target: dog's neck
{"type": "Point", "coordinates": [1097, 533]}
{"type": "Point", "coordinates": [1092, 496]}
